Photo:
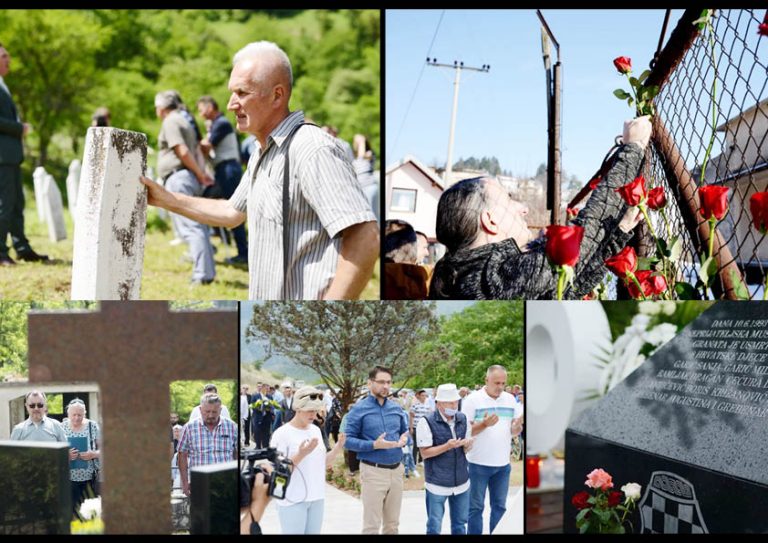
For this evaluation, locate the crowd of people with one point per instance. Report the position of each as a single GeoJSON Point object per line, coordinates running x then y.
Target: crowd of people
{"type": "Point", "coordinates": [462, 438]}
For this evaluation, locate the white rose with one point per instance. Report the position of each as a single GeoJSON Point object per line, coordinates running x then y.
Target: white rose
{"type": "Point", "coordinates": [632, 491]}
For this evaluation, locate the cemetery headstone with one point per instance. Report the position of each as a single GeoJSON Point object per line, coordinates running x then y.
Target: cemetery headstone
{"type": "Point", "coordinates": [690, 425]}
{"type": "Point", "coordinates": [73, 183]}
{"type": "Point", "coordinates": [54, 209]}
{"type": "Point", "coordinates": [38, 178]}
{"type": "Point", "coordinates": [133, 350]}
{"type": "Point", "coordinates": [111, 216]}
{"type": "Point", "coordinates": [36, 492]}
{"type": "Point", "coordinates": [214, 499]}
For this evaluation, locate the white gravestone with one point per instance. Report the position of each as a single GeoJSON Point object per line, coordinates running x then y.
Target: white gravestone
{"type": "Point", "coordinates": [38, 178]}
{"type": "Point", "coordinates": [111, 216]}
{"type": "Point", "coordinates": [54, 209]}
{"type": "Point", "coordinates": [73, 182]}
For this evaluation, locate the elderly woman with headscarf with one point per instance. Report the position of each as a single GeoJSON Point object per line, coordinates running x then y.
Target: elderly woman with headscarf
{"type": "Point", "coordinates": [84, 436]}
{"type": "Point", "coordinates": [301, 512]}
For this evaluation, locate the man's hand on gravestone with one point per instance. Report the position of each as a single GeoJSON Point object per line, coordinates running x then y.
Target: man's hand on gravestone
{"type": "Point", "coordinates": [156, 193]}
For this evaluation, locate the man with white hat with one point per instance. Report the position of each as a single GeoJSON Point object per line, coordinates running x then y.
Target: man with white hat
{"type": "Point", "coordinates": [444, 437]}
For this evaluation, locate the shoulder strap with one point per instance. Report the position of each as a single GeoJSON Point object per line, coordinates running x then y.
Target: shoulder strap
{"type": "Point", "coordinates": [286, 204]}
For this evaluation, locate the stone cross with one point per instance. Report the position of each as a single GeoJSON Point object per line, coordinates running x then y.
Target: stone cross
{"type": "Point", "coordinates": [73, 183]}
{"type": "Point", "coordinates": [54, 209]}
{"type": "Point", "coordinates": [133, 350]}
{"type": "Point", "coordinates": [111, 216]}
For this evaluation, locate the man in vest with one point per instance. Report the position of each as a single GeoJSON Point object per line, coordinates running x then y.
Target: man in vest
{"type": "Point", "coordinates": [444, 437]}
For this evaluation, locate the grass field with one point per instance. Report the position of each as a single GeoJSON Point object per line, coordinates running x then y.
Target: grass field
{"type": "Point", "coordinates": [166, 273]}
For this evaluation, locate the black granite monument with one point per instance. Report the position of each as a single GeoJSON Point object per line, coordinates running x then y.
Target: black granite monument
{"type": "Point", "coordinates": [35, 493]}
{"type": "Point", "coordinates": [690, 425]}
{"type": "Point", "coordinates": [214, 505]}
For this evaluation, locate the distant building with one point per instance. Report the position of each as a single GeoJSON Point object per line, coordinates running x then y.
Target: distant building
{"type": "Point", "coordinates": [743, 168]}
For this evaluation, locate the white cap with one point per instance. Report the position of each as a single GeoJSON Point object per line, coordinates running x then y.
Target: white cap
{"type": "Point", "coordinates": [447, 393]}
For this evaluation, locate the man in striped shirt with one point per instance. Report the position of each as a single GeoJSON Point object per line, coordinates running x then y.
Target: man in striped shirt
{"type": "Point", "coordinates": [211, 439]}
{"type": "Point", "coordinates": [333, 238]}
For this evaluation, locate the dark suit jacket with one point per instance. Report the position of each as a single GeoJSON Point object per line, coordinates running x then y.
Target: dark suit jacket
{"type": "Point", "coordinates": [11, 151]}
{"type": "Point", "coordinates": [262, 416]}
{"type": "Point", "coordinates": [288, 413]}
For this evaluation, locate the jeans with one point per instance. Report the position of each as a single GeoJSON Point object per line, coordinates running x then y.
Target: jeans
{"type": "Point", "coordinates": [410, 466]}
{"type": "Point", "coordinates": [458, 506]}
{"type": "Point", "coordinates": [496, 480]}
{"type": "Point", "coordinates": [301, 518]}
{"type": "Point", "coordinates": [228, 175]}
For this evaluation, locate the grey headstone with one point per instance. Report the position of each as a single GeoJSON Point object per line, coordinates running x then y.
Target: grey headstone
{"type": "Point", "coordinates": [690, 425]}
{"type": "Point", "coordinates": [214, 499]}
{"type": "Point", "coordinates": [35, 488]}
{"type": "Point", "coordinates": [54, 209]}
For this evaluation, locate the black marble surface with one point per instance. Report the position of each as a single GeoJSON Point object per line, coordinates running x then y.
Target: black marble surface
{"type": "Point", "coordinates": [714, 413]}
{"type": "Point", "coordinates": [692, 495]}
{"type": "Point", "coordinates": [35, 492]}
{"type": "Point", "coordinates": [214, 499]}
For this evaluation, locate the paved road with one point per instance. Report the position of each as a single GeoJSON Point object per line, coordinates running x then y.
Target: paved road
{"type": "Point", "coordinates": [344, 514]}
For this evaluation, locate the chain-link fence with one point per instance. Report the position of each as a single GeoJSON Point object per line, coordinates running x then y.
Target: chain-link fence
{"type": "Point", "coordinates": [713, 108]}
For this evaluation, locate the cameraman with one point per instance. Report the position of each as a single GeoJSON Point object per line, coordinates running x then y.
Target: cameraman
{"type": "Point", "coordinates": [251, 513]}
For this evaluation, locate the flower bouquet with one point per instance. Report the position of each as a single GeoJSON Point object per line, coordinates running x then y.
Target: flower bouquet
{"type": "Point", "coordinates": [606, 510]}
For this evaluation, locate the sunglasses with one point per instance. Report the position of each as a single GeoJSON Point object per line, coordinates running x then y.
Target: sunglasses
{"type": "Point", "coordinates": [38, 405]}
{"type": "Point", "coordinates": [314, 396]}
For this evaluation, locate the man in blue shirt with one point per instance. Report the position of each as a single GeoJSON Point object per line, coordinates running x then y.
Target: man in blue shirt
{"type": "Point", "coordinates": [377, 430]}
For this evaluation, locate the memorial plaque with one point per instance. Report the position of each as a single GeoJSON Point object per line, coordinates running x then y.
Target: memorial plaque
{"type": "Point", "coordinates": [690, 425]}
{"type": "Point", "coordinates": [214, 500]}
{"type": "Point", "coordinates": [36, 492]}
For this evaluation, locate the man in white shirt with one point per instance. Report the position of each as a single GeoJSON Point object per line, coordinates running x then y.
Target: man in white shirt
{"type": "Point", "coordinates": [38, 427]}
{"type": "Point", "coordinates": [495, 416]}
{"type": "Point", "coordinates": [444, 438]}
{"type": "Point", "coordinates": [209, 388]}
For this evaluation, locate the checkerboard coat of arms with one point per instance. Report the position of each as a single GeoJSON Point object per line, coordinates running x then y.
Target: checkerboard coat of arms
{"type": "Point", "coordinates": [669, 506]}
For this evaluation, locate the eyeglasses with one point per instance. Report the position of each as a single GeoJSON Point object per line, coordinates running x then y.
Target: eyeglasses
{"type": "Point", "coordinates": [314, 396]}
{"type": "Point", "coordinates": [38, 405]}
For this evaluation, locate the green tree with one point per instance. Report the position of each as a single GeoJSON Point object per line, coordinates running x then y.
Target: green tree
{"type": "Point", "coordinates": [185, 395]}
{"type": "Point", "coordinates": [342, 341]}
{"type": "Point", "coordinates": [484, 334]}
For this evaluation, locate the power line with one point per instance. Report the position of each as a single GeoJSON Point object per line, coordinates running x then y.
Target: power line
{"type": "Point", "coordinates": [418, 80]}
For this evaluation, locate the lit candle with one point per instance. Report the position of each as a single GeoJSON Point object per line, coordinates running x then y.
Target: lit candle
{"type": "Point", "coordinates": [532, 471]}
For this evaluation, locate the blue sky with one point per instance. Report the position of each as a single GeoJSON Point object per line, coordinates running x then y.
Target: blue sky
{"type": "Point", "coordinates": [503, 113]}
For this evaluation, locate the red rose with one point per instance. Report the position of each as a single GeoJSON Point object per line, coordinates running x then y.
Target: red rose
{"type": "Point", "coordinates": [614, 499]}
{"type": "Point", "coordinates": [633, 193]}
{"type": "Point", "coordinates": [758, 205]}
{"type": "Point", "coordinates": [652, 285]}
{"type": "Point", "coordinates": [657, 199]}
{"type": "Point", "coordinates": [714, 201]}
{"type": "Point", "coordinates": [564, 244]}
{"type": "Point", "coordinates": [622, 263]}
{"type": "Point", "coordinates": [572, 212]}
{"type": "Point", "coordinates": [579, 500]}
{"type": "Point", "coordinates": [623, 64]}
{"type": "Point", "coordinates": [594, 182]}
{"type": "Point", "coordinates": [762, 29]}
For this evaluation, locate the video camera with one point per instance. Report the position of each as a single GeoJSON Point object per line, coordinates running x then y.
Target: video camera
{"type": "Point", "coordinates": [278, 480]}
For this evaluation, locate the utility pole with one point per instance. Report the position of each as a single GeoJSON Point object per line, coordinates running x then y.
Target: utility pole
{"type": "Point", "coordinates": [554, 91]}
{"type": "Point", "coordinates": [458, 66]}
